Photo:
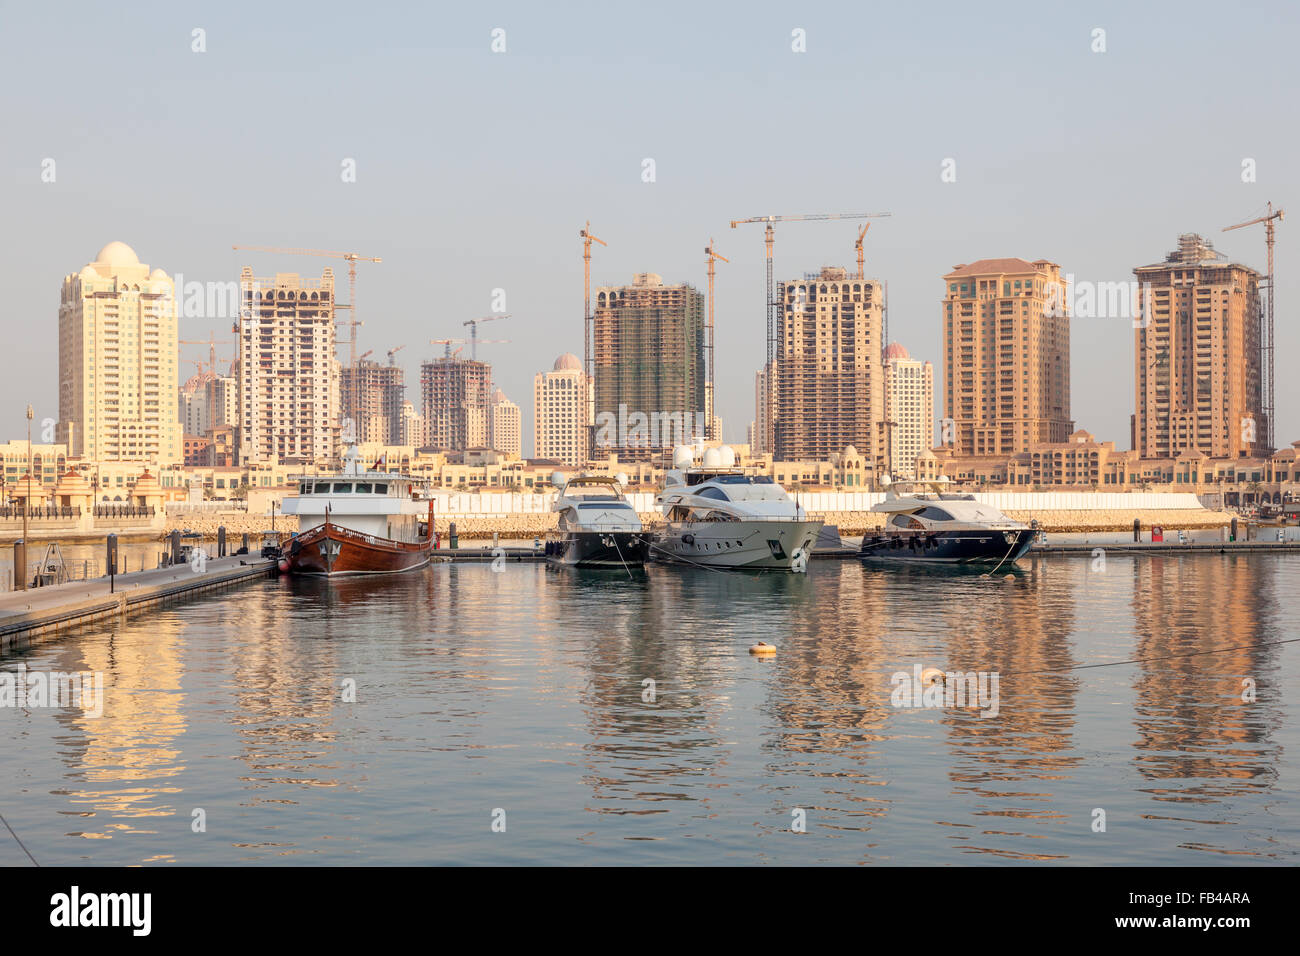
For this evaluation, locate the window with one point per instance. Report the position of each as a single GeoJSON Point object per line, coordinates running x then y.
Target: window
{"type": "Point", "coordinates": [342, 487]}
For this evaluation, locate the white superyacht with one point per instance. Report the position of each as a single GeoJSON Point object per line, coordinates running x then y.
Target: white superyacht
{"type": "Point", "coordinates": [717, 516]}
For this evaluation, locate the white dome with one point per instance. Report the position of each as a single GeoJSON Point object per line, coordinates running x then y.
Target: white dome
{"type": "Point", "coordinates": [712, 458]}
{"type": "Point", "coordinates": [850, 451]}
{"type": "Point", "coordinates": [727, 454]}
{"type": "Point", "coordinates": [683, 456]}
{"type": "Point", "coordinates": [88, 273]}
{"type": "Point", "coordinates": [568, 362]}
{"type": "Point", "coordinates": [558, 479]}
{"type": "Point", "coordinates": [621, 478]}
{"type": "Point", "coordinates": [117, 254]}
{"type": "Point", "coordinates": [158, 276]}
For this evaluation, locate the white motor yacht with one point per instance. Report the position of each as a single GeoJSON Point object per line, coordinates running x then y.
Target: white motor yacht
{"type": "Point", "coordinates": [598, 526]}
{"type": "Point", "coordinates": [718, 516]}
{"type": "Point", "coordinates": [940, 527]}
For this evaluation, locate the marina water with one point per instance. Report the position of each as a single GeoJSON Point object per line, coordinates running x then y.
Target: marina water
{"type": "Point", "coordinates": [507, 715]}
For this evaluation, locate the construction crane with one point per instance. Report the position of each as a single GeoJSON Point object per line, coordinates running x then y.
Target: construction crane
{"type": "Point", "coordinates": [710, 386]}
{"type": "Point", "coordinates": [352, 260]}
{"type": "Point", "coordinates": [393, 351]}
{"type": "Point", "coordinates": [858, 246]}
{"type": "Point", "coordinates": [473, 330]}
{"type": "Point", "coordinates": [769, 239]}
{"type": "Point", "coordinates": [447, 344]}
{"type": "Point", "coordinates": [363, 356]}
{"type": "Point", "coordinates": [1268, 399]}
{"type": "Point", "coordinates": [588, 367]}
{"type": "Point", "coordinates": [211, 342]}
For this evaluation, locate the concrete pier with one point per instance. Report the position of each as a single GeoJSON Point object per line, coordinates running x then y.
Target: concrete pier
{"type": "Point", "coordinates": [38, 610]}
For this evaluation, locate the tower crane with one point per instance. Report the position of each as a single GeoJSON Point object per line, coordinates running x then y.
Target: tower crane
{"type": "Point", "coordinates": [769, 239]}
{"type": "Point", "coordinates": [858, 246]}
{"type": "Point", "coordinates": [1268, 398]}
{"type": "Point", "coordinates": [447, 344]}
{"type": "Point", "coordinates": [473, 330]}
{"type": "Point", "coordinates": [588, 368]}
{"type": "Point", "coordinates": [393, 351]}
{"type": "Point", "coordinates": [710, 387]}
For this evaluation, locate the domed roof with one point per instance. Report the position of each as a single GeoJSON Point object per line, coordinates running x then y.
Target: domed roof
{"type": "Point", "coordinates": [72, 483]}
{"type": "Point", "coordinates": [850, 451]}
{"type": "Point", "coordinates": [568, 362]}
{"type": "Point", "coordinates": [117, 254]}
{"type": "Point", "coordinates": [499, 396]}
{"type": "Point", "coordinates": [158, 275]}
{"type": "Point", "coordinates": [88, 272]}
{"type": "Point", "coordinates": [896, 351]}
{"type": "Point", "coordinates": [926, 455]}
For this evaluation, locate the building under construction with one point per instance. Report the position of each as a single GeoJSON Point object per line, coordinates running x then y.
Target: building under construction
{"type": "Point", "coordinates": [1198, 363]}
{"type": "Point", "coordinates": [648, 351]}
{"type": "Point", "coordinates": [374, 394]}
{"type": "Point", "coordinates": [454, 397]}
{"type": "Point", "coordinates": [829, 381]}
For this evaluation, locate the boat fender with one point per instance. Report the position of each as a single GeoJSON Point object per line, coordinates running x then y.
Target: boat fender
{"type": "Point", "coordinates": [931, 676]}
{"type": "Point", "coordinates": [763, 649]}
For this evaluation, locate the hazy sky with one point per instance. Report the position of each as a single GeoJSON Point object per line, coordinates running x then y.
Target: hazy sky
{"type": "Point", "coordinates": [475, 170]}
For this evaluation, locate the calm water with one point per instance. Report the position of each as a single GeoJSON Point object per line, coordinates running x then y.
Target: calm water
{"type": "Point", "coordinates": [522, 690]}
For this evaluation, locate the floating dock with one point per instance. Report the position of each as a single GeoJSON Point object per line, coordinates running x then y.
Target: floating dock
{"type": "Point", "coordinates": [24, 614]}
{"type": "Point", "coordinates": [1167, 547]}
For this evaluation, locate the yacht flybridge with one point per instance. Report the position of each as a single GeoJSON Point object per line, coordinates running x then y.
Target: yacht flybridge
{"type": "Point", "coordinates": [358, 522]}
{"type": "Point", "coordinates": [943, 528]}
{"type": "Point", "coordinates": [718, 516]}
{"type": "Point", "coordinates": [598, 526]}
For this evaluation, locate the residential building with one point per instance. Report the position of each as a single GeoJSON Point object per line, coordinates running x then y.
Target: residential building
{"type": "Point", "coordinates": [288, 376]}
{"type": "Point", "coordinates": [454, 400]}
{"type": "Point", "coordinates": [504, 425]}
{"type": "Point", "coordinates": [560, 399]}
{"type": "Point", "coordinates": [1197, 358]}
{"type": "Point", "coordinates": [374, 393]}
{"type": "Point", "coordinates": [1006, 338]}
{"type": "Point", "coordinates": [909, 410]}
{"type": "Point", "coordinates": [649, 367]}
{"type": "Point", "coordinates": [118, 349]}
{"type": "Point", "coordinates": [829, 383]}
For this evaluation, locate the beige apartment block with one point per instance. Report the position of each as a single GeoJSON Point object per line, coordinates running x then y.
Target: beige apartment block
{"type": "Point", "coordinates": [118, 349]}
{"type": "Point", "coordinates": [1197, 360]}
{"type": "Point", "coordinates": [909, 410]}
{"type": "Point", "coordinates": [560, 399]}
{"type": "Point", "coordinates": [829, 382]}
{"type": "Point", "coordinates": [504, 425]}
{"type": "Point", "coordinates": [288, 376]}
{"type": "Point", "coordinates": [1006, 335]}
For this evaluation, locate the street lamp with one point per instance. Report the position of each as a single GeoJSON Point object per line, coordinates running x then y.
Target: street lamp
{"type": "Point", "coordinates": [20, 550]}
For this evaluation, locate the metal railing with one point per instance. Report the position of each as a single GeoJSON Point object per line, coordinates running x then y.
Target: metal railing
{"type": "Point", "coordinates": [43, 512]}
{"type": "Point", "coordinates": [123, 511]}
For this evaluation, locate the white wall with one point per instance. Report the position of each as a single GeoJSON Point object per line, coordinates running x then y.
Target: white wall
{"type": "Point", "coordinates": [495, 503]}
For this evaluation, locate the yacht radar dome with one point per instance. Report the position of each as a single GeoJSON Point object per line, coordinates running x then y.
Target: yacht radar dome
{"type": "Point", "coordinates": [712, 458]}
{"type": "Point", "coordinates": [728, 455]}
{"type": "Point", "coordinates": [683, 457]}
{"type": "Point", "coordinates": [558, 479]}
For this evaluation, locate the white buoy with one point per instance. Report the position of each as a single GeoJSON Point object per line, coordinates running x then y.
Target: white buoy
{"type": "Point", "coordinates": [931, 676]}
{"type": "Point", "coordinates": [762, 649]}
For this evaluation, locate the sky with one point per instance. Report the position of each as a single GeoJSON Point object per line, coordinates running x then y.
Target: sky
{"type": "Point", "coordinates": [476, 169]}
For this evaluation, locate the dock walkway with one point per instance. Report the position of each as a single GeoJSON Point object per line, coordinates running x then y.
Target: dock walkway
{"type": "Point", "coordinates": [37, 610]}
